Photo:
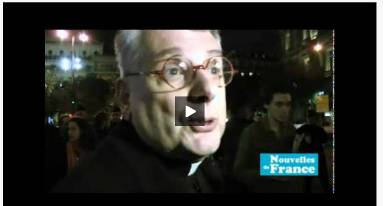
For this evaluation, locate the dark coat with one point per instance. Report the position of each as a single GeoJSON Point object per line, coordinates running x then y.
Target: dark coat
{"type": "Point", "coordinates": [258, 138]}
{"type": "Point", "coordinates": [123, 163]}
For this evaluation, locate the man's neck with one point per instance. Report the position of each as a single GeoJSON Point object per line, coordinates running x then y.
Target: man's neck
{"type": "Point", "coordinates": [274, 125]}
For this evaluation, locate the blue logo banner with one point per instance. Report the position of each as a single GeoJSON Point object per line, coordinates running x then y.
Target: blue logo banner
{"type": "Point", "coordinates": [289, 164]}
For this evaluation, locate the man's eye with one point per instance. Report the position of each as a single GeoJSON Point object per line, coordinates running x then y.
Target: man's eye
{"type": "Point", "coordinates": [174, 71]}
{"type": "Point", "coordinates": [215, 70]}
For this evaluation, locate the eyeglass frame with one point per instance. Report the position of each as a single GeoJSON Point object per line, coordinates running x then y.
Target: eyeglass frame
{"type": "Point", "coordinates": [195, 68]}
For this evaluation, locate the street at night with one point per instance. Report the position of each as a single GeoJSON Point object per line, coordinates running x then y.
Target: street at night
{"type": "Point", "coordinates": [279, 91]}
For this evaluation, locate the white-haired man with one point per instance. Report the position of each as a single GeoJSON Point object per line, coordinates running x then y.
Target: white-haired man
{"type": "Point", "coordinates": [150, 153]}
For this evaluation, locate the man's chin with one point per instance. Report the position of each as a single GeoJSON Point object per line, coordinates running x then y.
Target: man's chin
{"type": "Point", "coordinates": [204, 151]}
{"type": "Point", "coordinates": [190, 154]}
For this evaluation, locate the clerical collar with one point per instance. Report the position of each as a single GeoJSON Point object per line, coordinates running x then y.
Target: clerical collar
{"type": "Point", "coordinates": [194, 167]}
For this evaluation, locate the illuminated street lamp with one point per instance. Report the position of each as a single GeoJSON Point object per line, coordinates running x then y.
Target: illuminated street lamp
{"type": "Point", "coordinates": [83, 37]}
{"type": "Point", "coordinates": [65, 64]}
{"type": "Point", "coordinates": [318, 47]}
{"type": "Point", "coordinates": [62, 34]}
{"type": "Point", "coordinates": [74, 63]}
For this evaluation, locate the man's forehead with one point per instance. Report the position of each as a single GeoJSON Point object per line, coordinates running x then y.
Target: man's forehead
{"type": "Point", "coordinates": [172, 51]}
{"type": "Point", "coordinates": [166, 43]}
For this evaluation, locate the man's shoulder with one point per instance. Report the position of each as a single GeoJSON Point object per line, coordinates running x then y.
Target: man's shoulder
{"type": "Point", "coordinates": [309, 128]}
{"type": "Point", "coordinates": [254, 126]}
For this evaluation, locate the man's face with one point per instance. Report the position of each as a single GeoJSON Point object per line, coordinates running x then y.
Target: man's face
{"type": "Point", "coordinates": [279, 107]}
{"type": "Point", "coordinates": [153, 112]}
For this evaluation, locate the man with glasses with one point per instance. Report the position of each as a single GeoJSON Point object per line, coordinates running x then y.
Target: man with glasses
{"type": "Point", "coordinates": [151, 153]}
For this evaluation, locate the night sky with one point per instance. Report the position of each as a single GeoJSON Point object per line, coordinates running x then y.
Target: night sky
{"type": "Point", "coordinates": [250, 40]}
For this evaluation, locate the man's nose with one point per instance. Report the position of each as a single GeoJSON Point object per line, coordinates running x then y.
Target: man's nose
{"type": "Point", "coordinates": [202, 87]}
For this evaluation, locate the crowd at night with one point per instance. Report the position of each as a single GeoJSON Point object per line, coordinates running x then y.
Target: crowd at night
{"type": "Point", "coordinates": [111, 110]}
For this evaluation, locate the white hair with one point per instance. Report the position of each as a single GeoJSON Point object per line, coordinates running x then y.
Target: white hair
{"type": "Point", "coordinates": [128, 48]}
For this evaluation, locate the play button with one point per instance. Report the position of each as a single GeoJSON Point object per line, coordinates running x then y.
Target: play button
{"type": "Point", "coordinates": [189, 111]}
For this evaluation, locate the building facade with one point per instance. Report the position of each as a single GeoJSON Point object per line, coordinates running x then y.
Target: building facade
{"type": "Point", "coordinates": [309, 56]}
{"type": "Point", "coordinates": [88, 58]}
{"type": "Point", "coordinates": [311, 51]}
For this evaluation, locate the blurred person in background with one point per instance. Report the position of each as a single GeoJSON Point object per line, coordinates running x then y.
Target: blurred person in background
{"type": "Point", "coordinates": [81, 142]}
{"type": "Point", "coordinates": [310, 138]}
{"type": "Point", "coordinates": [273, 134]}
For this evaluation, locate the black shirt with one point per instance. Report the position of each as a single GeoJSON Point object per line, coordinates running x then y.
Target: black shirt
{"type": "Point", "coordinates": [123, 163]}
{"type": "Point", "coordinates": [318, 137]}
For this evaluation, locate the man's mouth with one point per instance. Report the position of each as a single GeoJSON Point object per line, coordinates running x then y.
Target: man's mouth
{"type": "Point", "coordinates": [203, 126]}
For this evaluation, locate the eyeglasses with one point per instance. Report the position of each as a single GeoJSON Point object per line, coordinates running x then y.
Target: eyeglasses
{"type": "Point", "coordinates": [179, 72]}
